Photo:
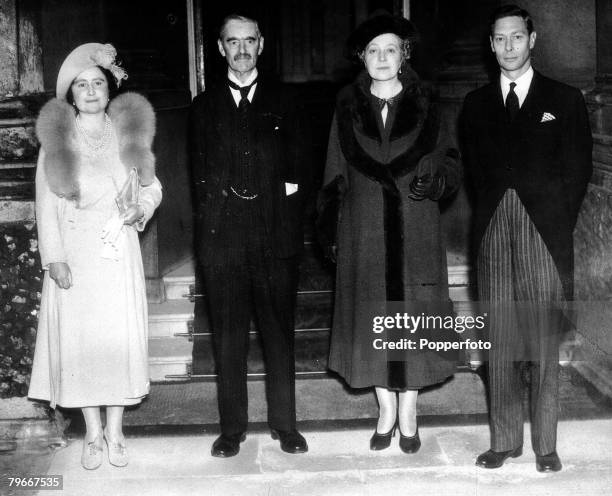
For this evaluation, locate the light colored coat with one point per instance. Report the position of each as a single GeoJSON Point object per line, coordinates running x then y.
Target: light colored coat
{"type": "Point", "coordinates": [91, 346]}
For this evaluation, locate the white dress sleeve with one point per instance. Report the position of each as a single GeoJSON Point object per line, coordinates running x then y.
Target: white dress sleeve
{"type": "Point", "coordinates": [48, 207]}
{"type": "Point", "coordinates": [149, 198]}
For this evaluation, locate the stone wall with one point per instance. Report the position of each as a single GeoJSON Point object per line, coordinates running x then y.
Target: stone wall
{"type": "Point", "coordinates": [566, 44]}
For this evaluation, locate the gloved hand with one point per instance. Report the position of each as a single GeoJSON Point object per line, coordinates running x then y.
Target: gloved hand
{"type": "Point", "coordinates": [133, 214]}
{"type": "Point", "coordinates": [427, 186]}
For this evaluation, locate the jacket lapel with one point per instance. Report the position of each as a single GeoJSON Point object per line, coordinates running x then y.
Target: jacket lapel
{"type": "Point", "coordinates": [496, 120]}
{"type": "Point", "coordinates": [225, 105]}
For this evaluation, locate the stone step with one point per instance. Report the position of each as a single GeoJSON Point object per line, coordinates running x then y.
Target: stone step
{"type": "Point", "coordinates": [323, 397]}
{"type": "Point", "coordinates": [173, 317]}
{"type": "Point", "coordinates": [172, 356]}
{"type": "Point", "coordinates": [314, 275]}
{"type": "Point", "coordinates": [326, 397]}
{"type": "Point", "coordinates": [178, 287]}
{"type": "Point", "coordinates": [169, 318]}
{"type": "Point", "coordinates": [168, 356]}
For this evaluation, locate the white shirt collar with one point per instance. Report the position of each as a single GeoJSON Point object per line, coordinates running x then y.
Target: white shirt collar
{"type": "Point", "coordinates": [236, 93]}
{"type": "Point", "coordinates": [523, 83]}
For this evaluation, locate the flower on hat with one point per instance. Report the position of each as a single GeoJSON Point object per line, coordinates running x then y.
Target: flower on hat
{"type": "Point", "coordinates": [105, 57]}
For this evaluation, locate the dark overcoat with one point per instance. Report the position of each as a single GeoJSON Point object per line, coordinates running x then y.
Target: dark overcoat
{"type": "Point", "coordinates": [389, 246]}
{"type": "Point", "coordinates": [277, 138]}
{"type": "Point", "coordinates": [545, 155]}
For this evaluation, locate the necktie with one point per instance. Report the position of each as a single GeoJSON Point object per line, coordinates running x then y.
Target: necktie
{"type": "Point", "coordinates": [244, 93]}
{"type": "Point", "coordinates": [512, 103]}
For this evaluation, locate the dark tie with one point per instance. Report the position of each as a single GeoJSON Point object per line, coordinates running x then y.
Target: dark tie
{"type": "Point", "coordinates": [512, 103]}
{"type": "Point", "coordinates": [244, 93]}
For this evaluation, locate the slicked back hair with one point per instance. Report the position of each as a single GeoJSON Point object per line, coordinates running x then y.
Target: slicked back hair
{"type": "Point", "coordinates": [511, 11]}
{"type": "Point", "coordinates": [237, 17]}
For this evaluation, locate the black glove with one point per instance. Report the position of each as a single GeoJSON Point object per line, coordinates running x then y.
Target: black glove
{"type": "Point", "coordinates": [427, 186]}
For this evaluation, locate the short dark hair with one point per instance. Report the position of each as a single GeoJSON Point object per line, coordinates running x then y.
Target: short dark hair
{"type": "Point", "coordinates": [511, 11]}
{"type": "Point", "coordinates": [237, 17]}
{"type": "Point", "coordinates": [113, 88]}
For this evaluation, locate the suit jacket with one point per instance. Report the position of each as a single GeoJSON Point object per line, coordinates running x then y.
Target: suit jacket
{"type": "Point", "coordinates": [545, 155]}
{"type": "Point", "coordinates": [277, 144]}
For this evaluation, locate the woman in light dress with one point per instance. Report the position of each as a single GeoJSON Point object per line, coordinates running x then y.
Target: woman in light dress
{"type": "Point", "coordinates": [95, 188]}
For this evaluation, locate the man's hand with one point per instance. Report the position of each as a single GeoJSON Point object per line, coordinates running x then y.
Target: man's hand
{"type": "Point", "coordinates": [60, 273]}
{"type": "Point", "coordinates": [133, 214]}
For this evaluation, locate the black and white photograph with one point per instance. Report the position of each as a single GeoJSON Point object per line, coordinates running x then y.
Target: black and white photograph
{"type": "Point", "coordinates": [306, 247]}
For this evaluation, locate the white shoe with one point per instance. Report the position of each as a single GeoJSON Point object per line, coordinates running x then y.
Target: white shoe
{"type": "Point", "coordinates": [117, 451]}
{"type": "Point", "coordinates": [91, 458]}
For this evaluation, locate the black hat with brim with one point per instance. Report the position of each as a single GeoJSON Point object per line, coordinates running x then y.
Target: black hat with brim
{"type": "Point", "coordinates": [375, 26]}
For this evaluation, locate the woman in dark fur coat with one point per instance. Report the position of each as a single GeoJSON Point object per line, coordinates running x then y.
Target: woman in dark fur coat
{"type": "Point", "coordinates": [386, 170]}
{"type": "Point", "coordinates": [95, 188]}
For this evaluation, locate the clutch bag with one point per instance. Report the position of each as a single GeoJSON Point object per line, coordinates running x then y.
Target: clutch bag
{"type": "Point", "coordinates": [129, 192]}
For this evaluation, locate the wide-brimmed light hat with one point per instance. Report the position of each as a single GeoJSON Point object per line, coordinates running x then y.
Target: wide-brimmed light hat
{"type": "Point", "coordinates": [85, 57]}
{"type": "Point", "coordinates": [375, 26]}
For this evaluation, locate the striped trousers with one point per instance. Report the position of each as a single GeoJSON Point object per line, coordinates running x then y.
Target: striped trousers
{"type": "Point", "coordinates": [519, 280]}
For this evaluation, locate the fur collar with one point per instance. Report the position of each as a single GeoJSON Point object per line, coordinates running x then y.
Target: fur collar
{"type": "Point", "coordinates": [414, 131]}
{"type": "Point", "coordinates": [410, 112]}
{"type": "Point", "coordinates": [133, 120]}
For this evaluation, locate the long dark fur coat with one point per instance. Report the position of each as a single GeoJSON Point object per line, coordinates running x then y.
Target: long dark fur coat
{"type": "Point", "coordinates": [389, 246]}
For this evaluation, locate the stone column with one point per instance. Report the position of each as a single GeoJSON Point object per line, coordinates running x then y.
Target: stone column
{"type": "Point", "coordinates": [20, 51]}
{"type": "Point", "coordinates": [29, 57]}
{"type": "Point", "coordinates": [20, 78]}
{"type": "Point", "coordinates": [9, 80]}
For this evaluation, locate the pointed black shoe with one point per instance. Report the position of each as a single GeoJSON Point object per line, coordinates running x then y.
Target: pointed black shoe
{"type": "Point", "coordinates": [495, 459]}
{"type": "Point", "coordinates": [548, 463]}
{"type": "Point", "coordinates": [382, 441]}
{"type": "Point", "coordinates": [290, 441]}
{"type": "Point", "coordinates": [410, 444]}
{"type": "Point", "coordinates": [227, 445]}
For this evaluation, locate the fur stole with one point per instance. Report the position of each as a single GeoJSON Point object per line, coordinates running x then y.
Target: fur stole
{"type": "Point", "coordinates": [133, 120]}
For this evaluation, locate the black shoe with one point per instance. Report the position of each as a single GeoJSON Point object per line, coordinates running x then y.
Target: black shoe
{"type": "Point", "coordinates": [495, 459]}
{"type": "Point", "coordinates": [381, 441]}
{"type": "Point", "coordinates": [410, 444]}
{"type": "Point", "coordinates": [548, 463]}
{"type": "Point", "coordinates": [227, 445]}
{"type": "Point", "coordinates": [291, 441]}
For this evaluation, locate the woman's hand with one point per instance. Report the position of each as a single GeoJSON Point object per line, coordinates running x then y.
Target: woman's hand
{"type": "Point", "coordinates": [60, 273]}
{"type": "Point", "coordinates": [133, 214]}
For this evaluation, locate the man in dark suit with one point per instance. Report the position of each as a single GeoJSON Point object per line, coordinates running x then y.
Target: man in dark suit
{"type": "Point", "coordinates": [528, 149]}
{"type": "Point", "coordinates": [245, 151]}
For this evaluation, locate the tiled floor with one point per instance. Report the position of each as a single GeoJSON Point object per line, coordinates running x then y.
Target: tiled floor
{"type": "Point", "coordinates": [339, 463]}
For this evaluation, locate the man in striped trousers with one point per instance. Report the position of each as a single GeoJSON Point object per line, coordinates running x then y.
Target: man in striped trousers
{"type": "Point", "coordinates": [528, 150]}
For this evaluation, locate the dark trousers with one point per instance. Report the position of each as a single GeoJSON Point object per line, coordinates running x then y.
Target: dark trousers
{"type": "Point", "coordinates": [252, 283]}
{"type": "Point", "coordinates": [518, 277]}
